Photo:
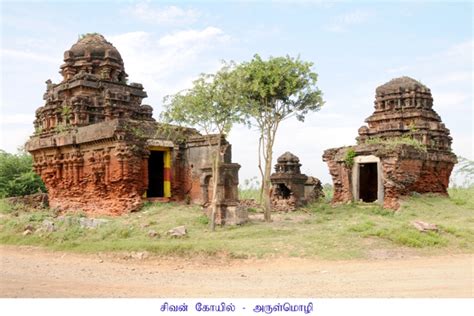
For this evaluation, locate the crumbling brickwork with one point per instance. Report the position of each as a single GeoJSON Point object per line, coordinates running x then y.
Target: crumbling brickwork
{"type": "Point", "coordinates": [405, 148]}
{"type": "Point", "coordinates": [98, 148]}
{"type": "Point", "coordinates": [290, 188]}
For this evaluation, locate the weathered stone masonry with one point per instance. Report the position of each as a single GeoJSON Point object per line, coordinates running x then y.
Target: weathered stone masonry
{"type": "Point", "coordinates": [405, 148]}
{"type": "Point", "coordinates": [290, 188]}
{"type": "Point", "coordinates": [98, 149]}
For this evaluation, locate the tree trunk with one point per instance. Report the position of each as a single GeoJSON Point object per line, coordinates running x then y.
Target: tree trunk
{"type": "Point", "coordinates": [266, 181]}
{"type": "Point", "coordinates": [215, 182]}
{"type": "Point", "coordinates": [262, 175]}
{"type": "Point", "coordinates": [266, 191]}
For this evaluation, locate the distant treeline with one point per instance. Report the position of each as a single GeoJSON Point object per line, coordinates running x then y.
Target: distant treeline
{"type": "Point", "coordinates": [16, 175]}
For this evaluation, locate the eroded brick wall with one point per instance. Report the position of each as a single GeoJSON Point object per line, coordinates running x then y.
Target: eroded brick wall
{"type": "Point", "coordinates": [405, 169]}
{"type": "Point", "coordinates": [107, 178]}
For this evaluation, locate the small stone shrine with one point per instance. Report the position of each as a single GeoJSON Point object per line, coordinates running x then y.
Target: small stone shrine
{"type": "Point", "coordinates": [405, 148]}
{"type": "Point", "coordinates": [290, 188]}
{"type": "Point", "coordinates": [98, 149]}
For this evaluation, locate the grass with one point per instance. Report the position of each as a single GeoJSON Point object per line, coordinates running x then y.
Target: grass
{"type": "Point", "coordinates": [250, 189]}
{"type": "Point", "coordinates": [249, 194]}
{"type": "Point", "coordinates": [320, 230]}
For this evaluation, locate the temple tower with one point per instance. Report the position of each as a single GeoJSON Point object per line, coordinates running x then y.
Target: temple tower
{"type": "Point", "coordinates": [404, 148]}
{"type": "Point", "coordinates": [99, 150]}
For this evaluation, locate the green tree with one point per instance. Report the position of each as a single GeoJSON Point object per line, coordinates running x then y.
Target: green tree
{"type": "Point", "coordinates": [16, 175]}
{"type": "Point", "coordinates": [465, 171]}
{"type": "Point", "coordinates": [275, 90]}
{"type": "Point", "coordinates": [211, 106]}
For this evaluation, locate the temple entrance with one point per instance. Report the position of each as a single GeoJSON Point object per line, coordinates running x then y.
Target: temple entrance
{"type": "Point", "coordinates": [282, 191]}
{"type": "Point", "coordinates": [156, 174]}
{"type": "Point", "coordinates": [368, 182]}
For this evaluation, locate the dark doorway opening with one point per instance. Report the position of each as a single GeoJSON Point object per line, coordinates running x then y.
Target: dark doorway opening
{"type": "Point", "coordinates": [283, 191]}
{"type": "Point", "coordinates": [368, 184]}
{"type": "Point", "coordinates": [156, 174]}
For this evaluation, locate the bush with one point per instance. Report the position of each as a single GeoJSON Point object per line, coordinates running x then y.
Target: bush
{"type": "Point", "coordinates": [349, 158]}
{"type": "Point", "coordinates": [328, 191]}
{"type": "Point", "coordinates": [16, 175]}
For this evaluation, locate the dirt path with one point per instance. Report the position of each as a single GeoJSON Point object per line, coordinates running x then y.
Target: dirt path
{"type": "Point", "coordinates": [33, 272]}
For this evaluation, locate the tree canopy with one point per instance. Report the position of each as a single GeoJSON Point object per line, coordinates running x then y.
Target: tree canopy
{"type": "Point", "coordinates": [16, 175]}
{"type": "Point", "coordinates": [212, 106]}
{"type": "Point", "coordinates": [272, 91]}
{"type": "Point", "coordinates": [260, 92]}
{"type": "Point", "coordinates": [279, 88]}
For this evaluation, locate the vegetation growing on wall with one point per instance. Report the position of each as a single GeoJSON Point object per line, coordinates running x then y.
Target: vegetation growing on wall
{"type": "Point", "coordinates": [81, 36]}
{"type": "Point", "coordinates": [349, 158]}
{"type": "Point", "coordinates": [393, 142]}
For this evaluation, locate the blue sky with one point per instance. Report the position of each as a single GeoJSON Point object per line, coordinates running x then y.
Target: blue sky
{"type": "Point", "coordinates": [354, 46]}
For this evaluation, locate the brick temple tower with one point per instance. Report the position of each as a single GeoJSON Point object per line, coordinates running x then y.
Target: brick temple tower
{"type": "Point", "coordinates": [405, 148]}
{"type": "Point", "coordinates": [98, 149]}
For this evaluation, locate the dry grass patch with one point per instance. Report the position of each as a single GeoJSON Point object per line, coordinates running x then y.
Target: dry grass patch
{"type": "Point", "coordinates": [320, 230]}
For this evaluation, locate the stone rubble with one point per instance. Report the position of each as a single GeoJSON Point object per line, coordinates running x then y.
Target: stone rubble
{"type": "Point", "coordinates": [424, 227]}
{"type": "Point", "coordinates": [179, 231]}
{"type": "Point", "coordinates": [92, 223]}
{"type": "Point", "coordinates": [153, 234]}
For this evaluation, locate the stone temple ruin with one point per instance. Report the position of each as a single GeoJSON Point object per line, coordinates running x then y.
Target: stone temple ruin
{"type": "Point", "coordinates": [405, 148]}
{"type": "Point", "coordinates": [290, 188]}
{"type": "Point", "coordinates": [98, 149]}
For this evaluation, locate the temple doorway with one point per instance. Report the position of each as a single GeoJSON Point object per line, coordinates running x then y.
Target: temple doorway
{"type": "Point", "coordinates": [282, 191]}
{"type": "Point", "coordinates": [368, 182]}
{"type": "Point", "coordinates": [156, 174]}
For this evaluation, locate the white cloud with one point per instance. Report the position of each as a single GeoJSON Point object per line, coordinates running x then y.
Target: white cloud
{"type": "Point", "coordinates": [461, 49]}
{"type": "Point", "coordinates": [193, 37]}
{"type": "Point", "coordinates": [455, 76]}
{"type": "Point", "coordinates": [306, 140]}
{"type": "Point", "coordinates": [400, 69]}
{"type": "Point", "coordinates": [171, 15]}
{"type": "Point", "coordinates": [167, 64]}
{"type": "Point", "coordinates": [19, 54]}
{"type": "Point", "coordinates": [6, 119]}
{"type": "Point", "coordinates": [342, 22]}
{"type": "Point", "coordinates": [450, 99]}
{"type": "Point", "coordinates": [15, 130]}
{"type": "Point", "coordinates": [452, 62]}
{"type": "Point", "coordinates": [14, 137]}
{"type": "Point", "coordinates": [448, 73]}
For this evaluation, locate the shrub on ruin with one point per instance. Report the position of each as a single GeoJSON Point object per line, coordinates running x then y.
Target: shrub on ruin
{"type": "Point", "coordinates": [349, 158]}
